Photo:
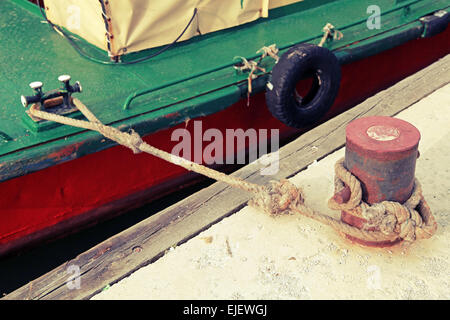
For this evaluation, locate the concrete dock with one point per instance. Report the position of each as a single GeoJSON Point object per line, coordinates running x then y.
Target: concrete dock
{"type": "Point", "coordinates": [250, 255]}
{"type": "Point", "coordinates": [211, 245]}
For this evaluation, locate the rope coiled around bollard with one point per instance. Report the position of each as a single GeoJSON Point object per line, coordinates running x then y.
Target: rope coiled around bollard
{"type": "Point", "coordinates": [409, 221]}
{"type": "Point", "coordinates": [391, 220]}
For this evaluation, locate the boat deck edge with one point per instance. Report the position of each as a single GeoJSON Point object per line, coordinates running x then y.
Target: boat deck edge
{"type": "Point", "coordinates": [114, 259]}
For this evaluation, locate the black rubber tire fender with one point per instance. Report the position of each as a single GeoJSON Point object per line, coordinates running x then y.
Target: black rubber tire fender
{"type": "Point", "coordinates": [300, 62]}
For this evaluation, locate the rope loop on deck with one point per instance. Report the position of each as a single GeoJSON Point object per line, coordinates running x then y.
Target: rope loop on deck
{"type": "Point", "coordinates": [385, 221]}
{"type": "Point", "coordinates": [409, 221]}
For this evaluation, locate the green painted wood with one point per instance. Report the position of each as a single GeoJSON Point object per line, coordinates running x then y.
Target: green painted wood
{"type": "Point", "coordinates": [34, 52]}
{"type": "Point", "coordinates": [114, 259]}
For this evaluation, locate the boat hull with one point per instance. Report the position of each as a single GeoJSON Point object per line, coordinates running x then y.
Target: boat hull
{"type": "Point", "coordinates": [69, 196]}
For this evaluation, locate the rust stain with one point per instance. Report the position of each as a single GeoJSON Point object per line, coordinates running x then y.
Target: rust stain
{"type": "Point", "coordinates": [342, 196]}
{"type": "Point", "coordinates": [403, 194]}
{"type": "Point", "coordinates": [172, 115]}
{"type": "Point", "coordinates": [372, 192]}
{"type": "Point", "coordinates": [101, 252]}
{"type": "Point", "coordinates": [65, 152]}
{"type": "Point", "coordinates": [207, 239]}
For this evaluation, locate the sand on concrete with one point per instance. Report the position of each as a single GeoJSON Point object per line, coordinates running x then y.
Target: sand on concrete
{"type": "Point", "coordinates": [251, 255]}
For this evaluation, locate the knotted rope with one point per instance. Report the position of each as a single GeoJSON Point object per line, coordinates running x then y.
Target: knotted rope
{"type": "Point", "coordinates": [329, 31]}
{"type": "Point", "coordinates": [253, 66]}
{"type": "Point", "coordinates": [271, 51]}
{"type": "Point", "coordinates": [410, 221]}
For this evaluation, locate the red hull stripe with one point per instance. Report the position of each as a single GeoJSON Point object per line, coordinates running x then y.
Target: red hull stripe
{"type": "Point", "coordinates": [40, 200]}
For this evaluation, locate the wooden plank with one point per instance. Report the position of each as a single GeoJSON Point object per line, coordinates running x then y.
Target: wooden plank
{"type": "Point", "coordinates": [145, 242]}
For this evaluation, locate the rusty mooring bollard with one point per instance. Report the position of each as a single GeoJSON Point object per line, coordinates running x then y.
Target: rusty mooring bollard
{"type": "Point", "coordinates": [381, 152]}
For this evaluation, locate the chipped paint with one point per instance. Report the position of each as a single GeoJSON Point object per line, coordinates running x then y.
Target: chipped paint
{"type": "Point", "coordinates": [66, 153]}
{"type": "Point", "coordinates": [172, 115]}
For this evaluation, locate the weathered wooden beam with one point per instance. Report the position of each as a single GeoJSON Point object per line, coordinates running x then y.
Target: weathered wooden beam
{"type": "Point", "coordinates": [145, 242]}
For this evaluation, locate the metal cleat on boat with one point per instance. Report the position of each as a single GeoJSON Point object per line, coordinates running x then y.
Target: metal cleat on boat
{"type": "Point", "coordinates": [59, 97]}
{"type": "Point", "coordinates": [37, 87]}
{"type": "Point", "coordinates": [58, 101]}
{"type": "Point", "coordinates": [66, 89]}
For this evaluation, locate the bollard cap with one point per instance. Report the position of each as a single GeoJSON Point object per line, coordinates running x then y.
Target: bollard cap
{"type": "Point", "coordinates": [383, 138]}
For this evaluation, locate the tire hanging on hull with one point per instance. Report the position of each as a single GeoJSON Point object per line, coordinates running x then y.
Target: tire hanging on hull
{"type": "Point", "coordinates": [300, 62]}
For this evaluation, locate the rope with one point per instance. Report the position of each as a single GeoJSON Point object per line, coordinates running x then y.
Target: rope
{"type": "Point", "coordinates": [408, 221]}
{"type": "Point", "coordinates": [282, 197]}
{"type": "Point", "coordinates": [253, 66]}
{"type": "Point", "coordinates": [271, 51]}
{"type": "Point", "coordinates": [391, 220]}
{"type": "Point", "coordinates": [329, 31]}
{"type": "Point", "coordinates": [133, 141]}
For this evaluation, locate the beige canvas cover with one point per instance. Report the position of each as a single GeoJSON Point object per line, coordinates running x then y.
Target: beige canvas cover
{"type": "Point", "coordinates": [125, 26]}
